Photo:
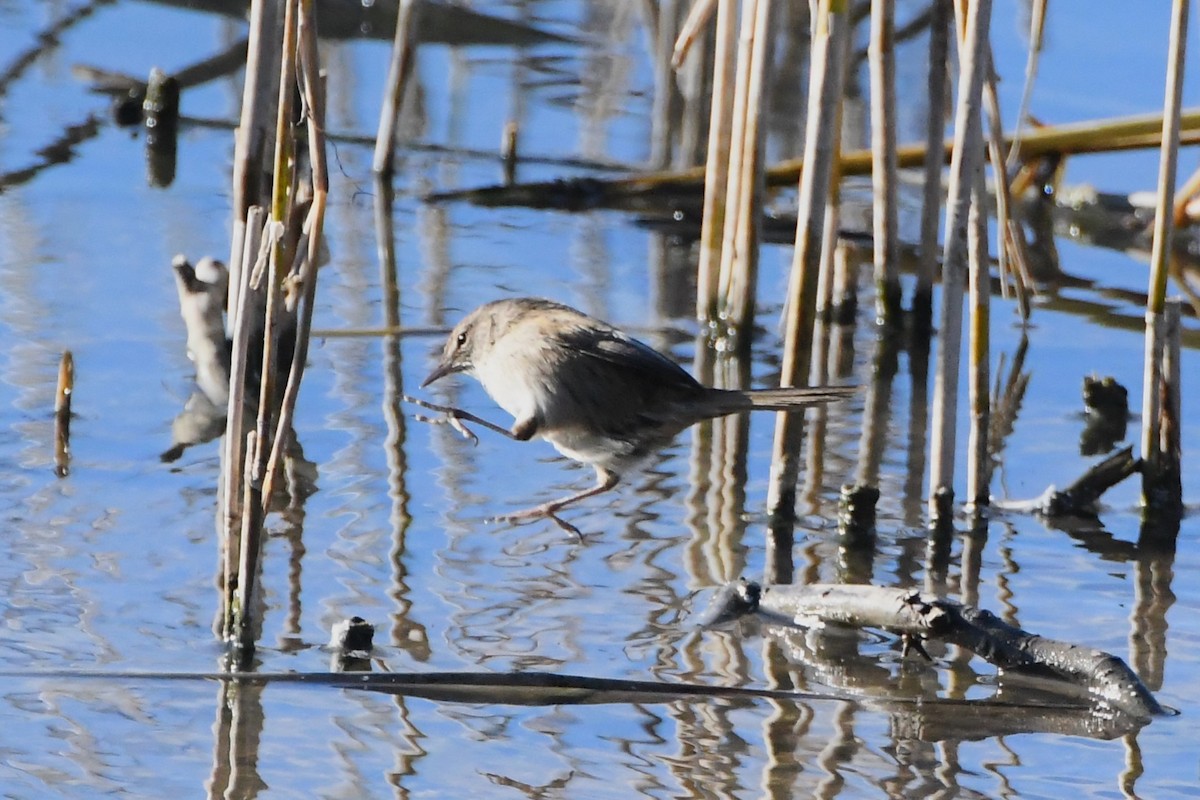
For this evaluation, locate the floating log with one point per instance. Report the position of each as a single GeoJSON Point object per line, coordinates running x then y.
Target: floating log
{"type": "Point", "coordinates": [1100, 675]}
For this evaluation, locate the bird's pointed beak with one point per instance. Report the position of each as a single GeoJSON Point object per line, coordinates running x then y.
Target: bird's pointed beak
{"type": "Point", "coordinates": [440, 371]}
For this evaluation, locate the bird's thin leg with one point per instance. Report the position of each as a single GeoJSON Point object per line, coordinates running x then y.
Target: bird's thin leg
{"type": "Point", "coordinates": [454, 417]}
{"type": "Point", "coordinates": [605, 480]}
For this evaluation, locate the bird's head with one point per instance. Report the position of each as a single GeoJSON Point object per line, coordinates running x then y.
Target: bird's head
{"type": "Point", "coordinates": [458, 353]}
{"type": "Point", "coordinates": [472, 339]}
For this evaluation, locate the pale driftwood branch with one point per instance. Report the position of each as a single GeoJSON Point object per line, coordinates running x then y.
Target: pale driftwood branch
{"type": "Point", "coordinates": [1100, 675]}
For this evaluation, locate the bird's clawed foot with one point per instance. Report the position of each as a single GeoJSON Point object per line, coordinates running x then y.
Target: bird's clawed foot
{"type": "Point", "coordinates": [455, 418]}
{"type": "Point", "coordinates": [544, 511]}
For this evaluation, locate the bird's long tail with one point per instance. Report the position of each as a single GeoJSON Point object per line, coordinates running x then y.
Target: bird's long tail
{"type": "Point", "coordinates": [786, 399]}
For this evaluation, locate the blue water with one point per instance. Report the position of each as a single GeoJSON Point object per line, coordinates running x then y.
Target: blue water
{"type": "Point", "coordinates": [112, 569]}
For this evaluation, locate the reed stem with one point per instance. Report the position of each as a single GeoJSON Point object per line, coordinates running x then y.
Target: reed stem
{"type": "Point", "coordinates": [884, 178]}
{"type": "Point", "coordinates": [1160, 396]}
{"type": "Point", "coordinates": [965, 161]}
{"type": "Point", "coordinates": [716, 180]}
{"type": "Point", "coordinates": [831, 34]}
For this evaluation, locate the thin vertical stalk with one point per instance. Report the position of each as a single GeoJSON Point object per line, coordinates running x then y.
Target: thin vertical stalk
{"type": "Point", "coordinates": [256, 252]}
{"type": "Point", "coordinates": [281, 196]}
{"type": "Point", "coordinates": [979, 463]}
{"type": "Point", "coordinates": [965, 160]}
{"type": "Point", "coordinates": [831, 34]}
{"type": "Point", "coordinates": [244, 620]}
{"type": "Point", "coordinates": [1011, 249]}
{"type": "Point", "coordinates": [882, 60]}
{"type": "Point", "coordinates": [739, 251]}
{"type": "Point", "coordinates": [314, 101]}
{"type": "Point", "coordinates": [931, 202]}
{"type": "Point", "coordinates": [62, 414]}
{"type": "Point", "coordinates": [661, 23]}
{"type": "Point", "coordinates": [399, 69]}
{"type": "Point", "coordinates": [689, 30]}
{"type": "Point", "coordinates": [1037, 31]}
{"type": "Point", "coordinates": [1156, 459]}
{"type": "Point", "coordinates": [716, 174]}
{"type": "Point", "coordinates": [259, 90]}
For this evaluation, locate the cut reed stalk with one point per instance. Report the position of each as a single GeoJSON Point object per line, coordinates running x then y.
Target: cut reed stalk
{"type": "Point", "coordinates": [966, 160]}
{"type": "Point", "coordinates": [979, 453]}
{"type": "Point", "coordinates": [712, 227]}
{"type": "Point", "coordinates": [62, 414]}
{"type": "Point", "coordinates": [1160, 452]}
{"type": "Point", "coordinates": [831, 33]}
{"type": "Point", "coordinates": [884, 179]}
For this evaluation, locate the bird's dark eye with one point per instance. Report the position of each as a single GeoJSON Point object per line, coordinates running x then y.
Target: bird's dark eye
{"type": "Point", "coordinates": [462, 339]}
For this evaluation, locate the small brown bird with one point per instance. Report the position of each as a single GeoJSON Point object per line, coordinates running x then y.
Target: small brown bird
{"type": "Point", "coordinates": [598, 395]}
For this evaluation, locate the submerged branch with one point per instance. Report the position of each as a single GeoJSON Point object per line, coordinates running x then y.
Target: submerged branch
{"type": "Point", "coordinates": [1080, 498]}
{"type": "Point", "coordinates": [638, 191]}
{"type": "Point", "coordinates": [1101, 675]}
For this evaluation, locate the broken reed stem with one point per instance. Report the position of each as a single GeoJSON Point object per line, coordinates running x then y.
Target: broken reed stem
{"type": "Point", "coordinates": [697, 17]}
{"type": "Point", "coordinates": [712, 226]}
{"type": "Point", "coordinates": [978, 450]}
{"type": "Point", "coordinates": [62, 414]}
{"type": "Point", "coordinates": [256, 250]}
{"type": "Point", "coordinates": [1170, 468]}
{"type": "Point", "coordinates": [931, 200]}
{"type": "Point", "coordinates": [241, 623]}
{"type": "Point", "coordinates": [739, 250]}
{"type": "Point", "coordinates": [237, 624]}
{"type": "Point", "coordinates": [884, 178]}
{"type": "Point", "coordinates": [259, 93]}
{"type": "Point", "coordinates": [282, 197]}
{"type": "Point", "coordinates": [822, 137]}
{"type": "Point", "coordinates": [399, 70]}
{"type": "Point", "coordinates": [1157, 414]}
{"type": "Point", "coordinates": [306, 271]}
{"type": "Point", "coordinates": [1037, 31]}
{"type": "Point", "coordinates": [966, 159]}
{"type": "Point", "coordinates": [1010, 252]}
